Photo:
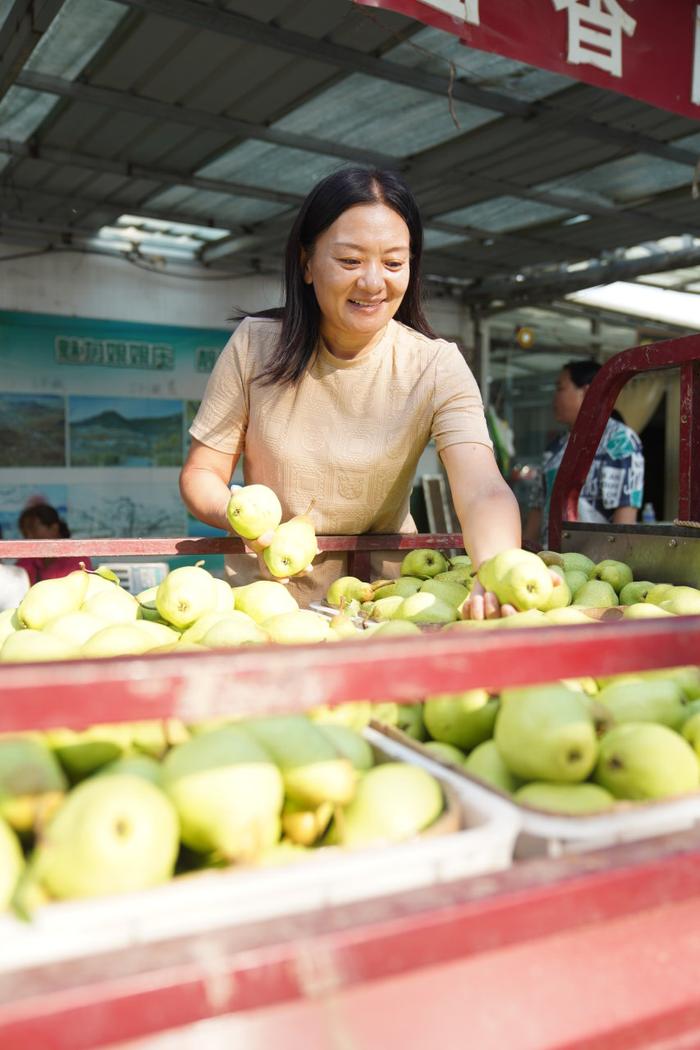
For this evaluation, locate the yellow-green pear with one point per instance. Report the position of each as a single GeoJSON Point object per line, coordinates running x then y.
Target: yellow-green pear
{"type": "Point", "coordinates": [682, 601]}
{"type": "Point", "coordinates": [155, 736]}
{"type": "Point", "coordinates": [82, 753]}
{"type": "Point", "coordinates": [31, 781]}
{"type": "Point", "coordinates": [348, 587]}
{"type": "Point", "coordinates": [9, 623]}
{"type": "Point", "coordinates": [133, 765]}
{"type": "Point", "coordinates": [659, 700]}
{"type": "Point", "coordinates": [572, 561]}
{"type": "Point", "coordinates": [658, 593]}
{"type": "Point", "coordinates": [617, 573]}
{"type": "Point", "coordinates": [691, 731]}
{"type": "Point", "coordinates": [460, 559]}
{"type": "Point", "coordinates": [575, 580]}
{"type": "Point", "coordinates": [424, 563]}
{"type": "Point", "coordinates": [148, 610]}
{"type": "Point", "coordinates": [635, 592]}
{"type": "Point", "coordinates": [293, 547]}
{"type": "Point", "coordinates": [393, 802]}
{"type": "Point", "coordinates": [224, 595]}
{"type": "Point", "coordinates": [234, 629]}
{"type": "Point", "coordinates": [117, 639]}
{"type": "Point", "coordinates": [100, 580]}
{"type": "Point", "coordinates": [575, 799]}
{"type": "Point", "coordinates": [30, 646]}
{"type": "Point", "coordinates": [586, 685]}
{"type": "Point", "coordinates": [313, 769]}
{"type": "Point", "coordinates": [423, 607]}
{"type": "Point", "coordinates": [393, 628]}
{"type": "Point", "coordinates": [11, 863]}
{"type": "Point", "coordinates": [404, 586]}
{"type": "Point", "coordinates": [48, 599]}
{"type": "Point", "coordinates": [517, 577]}
{"type": "Point", "coordinates": [115, 606]}
{"type": "Point", "coordinates": [451, 592]}
{"type": "Point", "coordinates": [462, 719]}
{"type": "Point", "coordinates": [529, 618]}
{"type": "Point", "coordinates": [552, 559]}
{"type": "Point", "coordinates": [349, 743]}
{"type": "Point", "coordinates": [112, 834]}
{"type": "Point", "coordinates": [75, 627]}
{"type": "Point", "coordinates": [459, 574]}
{"type": "Point", "coordinates": [560, 597]}
{"type": "Point", "coordinates": [263, 599]}
{"type": "Point", "coordinates": [304, 826]}
{"type": "Point", "coordinates": [688, 678]}
{"type": "Point", "coordinates": [546, 732]}
{"type": "Point", "coordinates": [227, 791]}
{"type": "Point", "coordinates": [343, 627]}
{"type": "Point", "coordinates": [157, 633]}
{"type": "Point", "coordinates": [644, 760]}
{"type": "Point", "coordinates": [355, 714]}
{"type": "Point", "coordinates": [596, 594]}
{"type": "Point", "coordinates": [185, 594]}
{"type": "Point", "coordinates": [644, 611]}
{"type": "Point", "coordinates": [410, 721]}
{"type": "Point", "coordinates": [567, 614]}
{"type": "Point", "coordinates": [386, 711]}
{"type": "Point", "coordinates": [298, 627]}
{"type": "Point", "coordinates": [486, 763]}
{"type": "Point", "coordinates": [197, 630]}
{"type": "Point", "coordinates": [384, 608]}
{"type": "Point", "coordinates": [253, 510]}
{"type": "Point", "coordinates": [444, 752]}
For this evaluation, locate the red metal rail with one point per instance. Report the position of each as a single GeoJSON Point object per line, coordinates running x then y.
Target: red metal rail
{"type": "Point", "coordinates": [595, 411]}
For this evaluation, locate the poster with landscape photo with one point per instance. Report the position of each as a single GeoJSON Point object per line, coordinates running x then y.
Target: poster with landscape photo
{"type": "Point", "coordinates": [128, 508]}
{"type": "Point", "coordinates": [32, 430]}
{"type": "Point", "coordinates": [15, 497]}
{"type": "Point", "coordinates": [125, 432]}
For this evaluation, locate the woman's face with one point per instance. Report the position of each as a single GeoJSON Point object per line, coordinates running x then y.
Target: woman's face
{"type": "Point", "coordinates": [34, 529]}
{"type": "Point", "coordinates": [567, 398]}
{"type": "Point", "coordinates": [359, 269]}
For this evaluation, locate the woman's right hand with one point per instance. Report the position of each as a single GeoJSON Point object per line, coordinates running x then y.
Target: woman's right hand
{"type": "Point", "coordinates": [257, 547]}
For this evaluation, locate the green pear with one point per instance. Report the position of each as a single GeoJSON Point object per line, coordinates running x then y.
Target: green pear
{"type": "Point", "coordinates": [546, 732]}
{"type": "Point", "coordinates": [393, 802]}
{"type": "Point", "coordinates": [185, 594]}
{"type": "Point", "coordinates": [115, 606]}
{"type": "Point", "coordinates": [492, 572]}
{"type": "Point", "coordinates": [102, 579]}
{"type": "Point", "coordinates": [575, 580]}
{"type": "Point", "coordinates": [461, 559]}
{"type": "Point", "coordinates": [299, 627]}
{"type": "Point", "coordinates": [644, 760]}
{"type": "Point", "coordinates": [111, 835]}
{"type": "Point", "coordinates": [197, 630]}
{"type": "Point", "coordinates": [355, 714]}
{"type": "Point", "coordinates": [596, 594]}
{"type": "Point", "coordinates": [31, 781]}
{"type": "Point", "coordinates": [485, 762]}
{"type": "Point", "coordinates": [568, 614]}
{"type": "Point", "coordinates": [159, 634]}
{"type": "Point", "coordinates": [404, 586]}
{"type": "Point", "coordinates": [349, 743]}
{"type": "Point", "coordinates": [462, 719]}
{"type": "Point", "coordinates": [293, 547]}
{"type": "Point", "coordinates": [263, 599]}
{"type": "Point", "coordinates": [617, 573]}
{"type": "Point", "coordinates": [253, 510]}
{"type": "Point", "coordinates": [452, 593]}
{"type": "Point", "coordinates": [688, 678]}
{"type": "Point", "coordinates": [529, 618]}
{"type": "Point", "coordinates": [342, 627]}
{"type": "Point", "coordinates": [635, 592]}
{"type": "Point", "coordinates": [384, 608]}
{"type": "Point", "coordinates": [9, 623]}
{"type": "Point", "coordinates": [155, 736]}
{"type": "Point", "coordinates": [29, 646]}
{"type": "Point", "coordinates": [444, 752]}
{"type": "Point", "coordinates": [224, 595]}
{"type": "Point", "coordinates": [423, 607]}
{"type": "Point", "coordinates": [75, 627]}
{"type": "Point", "coordinates": [658, 593]}
{"type": "Point", "coordinates": [284, 852]}
{"type": "Point", "coordinates": [411, 722]}
{"type": "Point", "coordinates": [304, 826]}
{"type": "Point", "coordinates": [682, 601]}
{"type": "Point", "coordinates": [460, 574]}
{"type": "Point", "coordinates": [552, 559]}
{"type": "Point", "coordinates": [313, 770]}
{"type": "Point", "coordinates": [574, 799]}
{"type": "Point", "coordinates": [424, 563]}
{"type": "Point", "coordinates": [572, 561]}
{"type": "Point", "coordinates": [560, 598]}
{"type": "Point", "coordinates": [386, 712]}
{"type": "Point", "coordinates": [135, 766]}
{"type": "Point", "coordinates": [691, 731]}
{"type": "Point", "coordinates": [232, 630]}
{"type": "Point", "coordinates": [393, 628]}
{"type": "Point", "coordinates": [83, 753]}
{"type": "Point", "coordinates": [518, 578]}
{"type": "Point", "coordinates": [661, 701]}
{"type": "Point", "coordinates": [644, 611]}
{"type": "Point", "coordinates": [11, 864]}
{"type": "Point", "coordinates": [349, 587]}
{"type": "Point", "coordinates": [148, 609]}
{"type": "Point", "coordinates": [586, 685]}
{"type": "Point", "coordinates": [118, 639]}
{"type": "Point", "coordinates": [227, 791]}
{"type": "Point", "coordinates": [48, 599]}
{"type": "Point", "coordinates": [557, 569]}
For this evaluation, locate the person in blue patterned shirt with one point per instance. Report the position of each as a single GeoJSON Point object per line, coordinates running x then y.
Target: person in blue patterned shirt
{"type": "Point", "coordinates": [614, 487]}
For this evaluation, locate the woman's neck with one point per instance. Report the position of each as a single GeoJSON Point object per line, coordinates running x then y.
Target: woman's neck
{"type": "Point", "coordinates": [347, 349]}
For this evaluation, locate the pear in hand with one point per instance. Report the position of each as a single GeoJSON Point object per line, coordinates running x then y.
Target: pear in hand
{"type": "Point", "coordinates": [253, 510]}
{"type": "Point", "coordinates": [293, 547]}
{"type": "Point", "coordinates": [518, 578]}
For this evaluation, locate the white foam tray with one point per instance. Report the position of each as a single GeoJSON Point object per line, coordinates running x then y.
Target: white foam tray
{"type": "Point", "coordinates": [211, 899]}
{"type": "Point", "coordinates": [553, 835]}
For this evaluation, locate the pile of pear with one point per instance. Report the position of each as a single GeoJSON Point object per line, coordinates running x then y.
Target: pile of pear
{"type": "Point", "coordinates": [577, 746]}
{"type": "Point", "coordinates": [123, 808]}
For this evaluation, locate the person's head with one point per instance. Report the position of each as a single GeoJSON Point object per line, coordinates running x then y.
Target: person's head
{"type": "Point", "coordinates": [352, 263]}
{"type": "Point", "coordinates": [572, 384]}
{"type": "Point", "coordinates": [40, 521]}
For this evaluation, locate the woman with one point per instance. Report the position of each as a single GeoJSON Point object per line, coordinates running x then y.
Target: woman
{"type": "Point", "coordinates": [40, 521]}
{"type": "Point", "coordinates": [333, 397]}
{"type": "Point", "coordinates": [613, 489]}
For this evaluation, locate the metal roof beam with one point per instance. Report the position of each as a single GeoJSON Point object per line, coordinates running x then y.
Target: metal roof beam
{"type": "Point", "coordinates": [23, 27]}
{"type": "Point", "coordinates": [540, 113]}
{"type": "Point", "coordinates": [228, 126]}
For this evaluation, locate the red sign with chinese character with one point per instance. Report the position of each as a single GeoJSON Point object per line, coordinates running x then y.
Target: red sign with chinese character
{"type": "Point", "coordinates": [648, 49]}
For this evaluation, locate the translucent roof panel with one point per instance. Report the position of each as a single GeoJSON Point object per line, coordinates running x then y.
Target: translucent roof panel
{"type": "Point", "coordinates": [272, 167]}
{"type": "Point", "coordinates": [504, 213]}
{"type": "Point", "coordinates": [76, 33]}
{"type": "Point", "coordinates": [689, 142]}
{"type": "Point", "coordinates": [627, 179]}
{"type": "Point", "coordinates": [5, 6]}
{"type": "Point", "coordinates": [225, 209]}
{"type": "Point", "coordinates": [368, 113]}
{"type": "Point", "coordinates": [22, 111]}
{"type": "Point", "coordinates": [172, 229]}
{"type": "Point", "coordinates": [432, 50]}
{"type": "Point", "coordinates": [440, 238]}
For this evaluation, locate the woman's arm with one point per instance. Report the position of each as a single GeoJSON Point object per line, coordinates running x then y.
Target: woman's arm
{"type": "Point", "coordinates": [488, 511]}
{"type": "Point", "coordinates": [204, 483]}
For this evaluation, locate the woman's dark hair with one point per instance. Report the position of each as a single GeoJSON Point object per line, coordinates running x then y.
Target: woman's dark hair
{"type": "Point", "coordinates": [300, 314]}
{"type": "Point", "coordinates": [582, 374]}
{"type": "Point", "coordinates": [47, 515]}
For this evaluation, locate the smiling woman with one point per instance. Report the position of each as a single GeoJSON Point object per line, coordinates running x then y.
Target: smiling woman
{"type": "Point", "coordinates": [333, 397]}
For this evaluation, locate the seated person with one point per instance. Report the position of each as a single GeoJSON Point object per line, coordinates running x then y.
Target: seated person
{"type": "Point", "coordinates": [40, 521]}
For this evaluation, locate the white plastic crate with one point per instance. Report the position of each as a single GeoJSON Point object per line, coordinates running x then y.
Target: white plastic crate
{"type": "Point", "coordinates": [210, 899]}
{"type": "Point", "coordinates": [551, 834]}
